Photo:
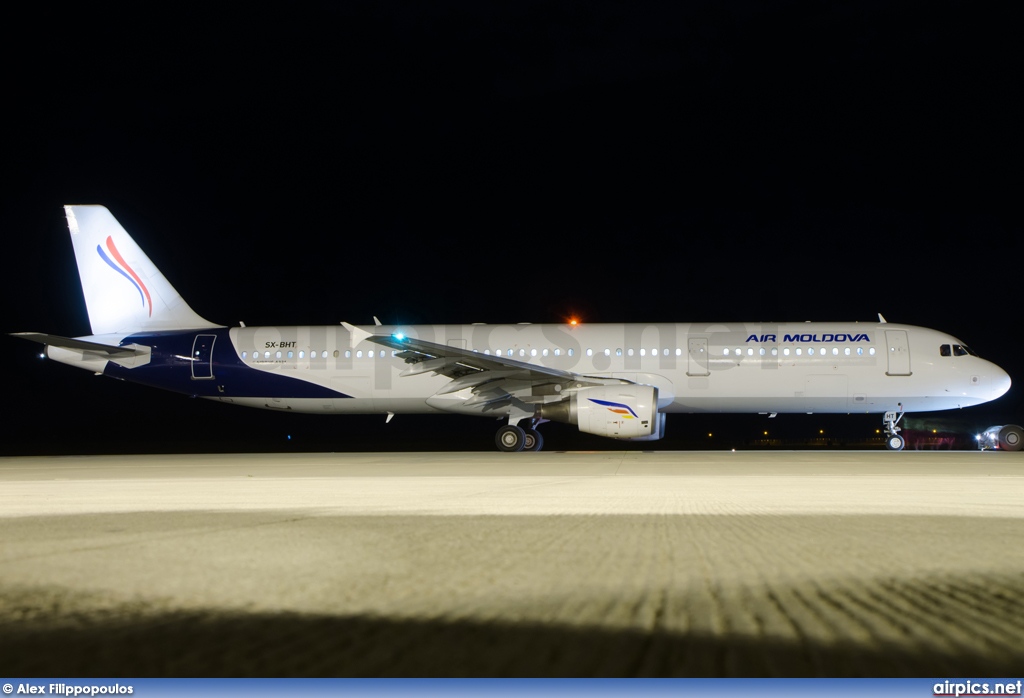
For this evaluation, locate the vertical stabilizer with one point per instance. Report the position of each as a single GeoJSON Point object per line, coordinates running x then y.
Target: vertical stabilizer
{"type": "Point", "coordinates": [124, 291]}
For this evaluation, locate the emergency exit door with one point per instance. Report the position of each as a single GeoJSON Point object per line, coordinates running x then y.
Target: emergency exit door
{"type": "Point", "coordinates": [697, 350]}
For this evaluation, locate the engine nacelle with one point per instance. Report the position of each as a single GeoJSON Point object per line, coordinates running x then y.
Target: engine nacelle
{"type": "Point", "coordinates": [657, 432]}
{"type": "Point", "coordinates": [1004, 438]}
{"type": "Point", "coordinates": [615, 411]}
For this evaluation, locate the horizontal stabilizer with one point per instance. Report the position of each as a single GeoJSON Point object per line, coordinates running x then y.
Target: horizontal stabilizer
{"type": "Point", "coordinates": [79, 344]}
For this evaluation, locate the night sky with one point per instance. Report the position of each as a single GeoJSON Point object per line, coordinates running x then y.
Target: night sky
{"type": "Point", "coordinates": [452, 162]}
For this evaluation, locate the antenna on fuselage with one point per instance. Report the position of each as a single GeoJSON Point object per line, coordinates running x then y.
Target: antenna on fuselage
{"type": "Point", "coordinates": [882, 319]}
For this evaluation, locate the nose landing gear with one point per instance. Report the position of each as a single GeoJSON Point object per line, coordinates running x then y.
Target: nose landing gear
{"type": "Point", "coordinates": [893, 440]}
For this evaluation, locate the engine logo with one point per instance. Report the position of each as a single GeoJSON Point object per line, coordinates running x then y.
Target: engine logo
{"type": "Point", "coordinates": [617, 407]}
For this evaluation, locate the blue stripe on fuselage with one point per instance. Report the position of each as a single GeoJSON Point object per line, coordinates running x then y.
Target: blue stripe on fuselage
{"type": "Point", "coordinates": [170, 368]}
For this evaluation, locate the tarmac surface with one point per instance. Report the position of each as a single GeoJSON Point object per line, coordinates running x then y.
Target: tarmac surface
{"type": "Point", "coordinates": [530, 564]}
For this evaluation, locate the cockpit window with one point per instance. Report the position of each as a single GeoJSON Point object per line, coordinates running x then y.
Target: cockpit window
{"type": "Point", "coordinates": [944, 350]}
{"type": "Point", "coordinates": [962, 350]}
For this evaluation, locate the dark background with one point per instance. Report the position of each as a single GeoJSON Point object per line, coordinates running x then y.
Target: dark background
{"type": "Point", "coordinates": [453, 162]}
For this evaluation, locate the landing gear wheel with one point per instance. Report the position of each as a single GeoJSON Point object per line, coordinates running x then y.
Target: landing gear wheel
{"type": "Point", "coordinates": [534, 441]}
{"type": "Point", "coordinates": [510, 438]}
{"type": "Point", "coordinates": [893, 440]}
{"type": "Point", "coordinates": [1011, 438]}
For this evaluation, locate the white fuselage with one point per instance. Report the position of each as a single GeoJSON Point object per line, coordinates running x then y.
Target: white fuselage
{"type": "Point", "coordinates": [711, 367]}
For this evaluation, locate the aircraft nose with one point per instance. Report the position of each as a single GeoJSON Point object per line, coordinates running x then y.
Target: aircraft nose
{"type": "Point", "coordinates": [1000, 382]}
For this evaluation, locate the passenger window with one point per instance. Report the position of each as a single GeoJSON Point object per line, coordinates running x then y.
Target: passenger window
{"type": "Point", "coordinates": [810, 351]}
{"type": "Point", "coordinates": [245, 354]}
{"type": "Point", "coordinates": [291, 355]}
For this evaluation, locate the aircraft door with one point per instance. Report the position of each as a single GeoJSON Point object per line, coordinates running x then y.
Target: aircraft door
{"type": "Point", "coordinates": [202, 356]}
{"type": "Point", "coordinates": [697, 350]}
{"type": "Point", "coordinates": [898, 351]}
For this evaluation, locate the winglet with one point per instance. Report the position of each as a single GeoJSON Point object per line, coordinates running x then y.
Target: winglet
{"type": "Point", "coordinates": [356, 334]}
{"type": "Point", "coordinates": [882, 319]}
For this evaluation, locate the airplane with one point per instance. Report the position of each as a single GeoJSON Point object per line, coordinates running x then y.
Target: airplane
{"type": "Point", "coordinates": [612, 380]}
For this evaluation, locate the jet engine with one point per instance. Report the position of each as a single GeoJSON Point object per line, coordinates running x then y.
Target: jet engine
{"type": "Point", "coordinates": [1004, 438]}
{"type": "Point", "coordinates": [626, 411]}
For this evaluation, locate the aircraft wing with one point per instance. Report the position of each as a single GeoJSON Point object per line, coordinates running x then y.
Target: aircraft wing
{"type": "Point", "coordinates": [491, 382]}
{"type": "Point", "coordinates": [456, 362]}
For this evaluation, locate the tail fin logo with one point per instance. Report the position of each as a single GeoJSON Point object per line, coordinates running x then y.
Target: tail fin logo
{"type": "Point", "coordinates": [619, 408]}
{"type": "Point", "coordinates": [122, 268]}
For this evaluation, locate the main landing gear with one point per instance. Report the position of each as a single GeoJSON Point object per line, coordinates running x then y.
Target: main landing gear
{"type": "Point", "coordinates": [893, 440]}
{"type": "Point", "coordinates": [512, 437]}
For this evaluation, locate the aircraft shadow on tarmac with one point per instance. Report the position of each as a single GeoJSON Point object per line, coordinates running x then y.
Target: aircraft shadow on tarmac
{"type": "Point", "coordinates": [199, 644]}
